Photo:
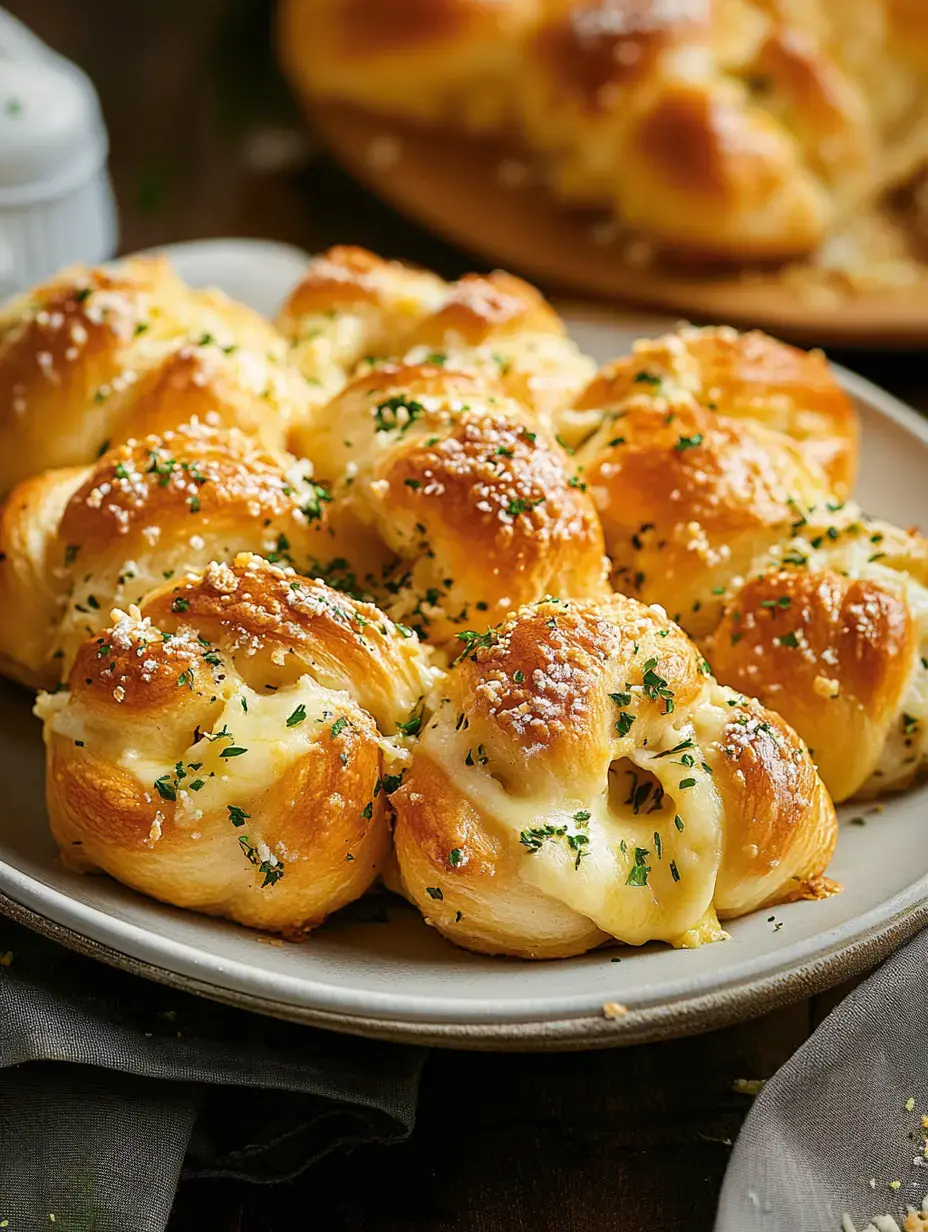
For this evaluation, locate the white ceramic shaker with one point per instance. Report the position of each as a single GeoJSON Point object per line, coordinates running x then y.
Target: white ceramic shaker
{"type": "Point", "coordinates": [56, 203]}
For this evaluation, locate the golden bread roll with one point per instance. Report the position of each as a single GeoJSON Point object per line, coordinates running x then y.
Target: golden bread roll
{"type": "Point", "coordinates": [742, 375]}
{"type": "Point", "coordinates": [76, 542]}
{"type": "Point", "coordinates": [690, 499]}
{"type": "Point", "coordinates": [651, 107]}
{"type": "Point", "coordinates": [96, 355]}
{"type": "Point", "coordinates": [224, 749]}
{"type": "Point", "coordinates": [423, 59]}
{"type": "Point", "coordinates": [832, 631]}
{"type": "Point", "coordinates": [464, 507]}
{"type": "Point", "coordinates": [732, 129]}
{"type": "Point", "coordinates": [584, 778]}
{"type": "Point", "coordinates": [350, 305]}
{"type": "Point", "coordinates": [709, 516]}
{"type": "Point", "coordinates": [353, 308]}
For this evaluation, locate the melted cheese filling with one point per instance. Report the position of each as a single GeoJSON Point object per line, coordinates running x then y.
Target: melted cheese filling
{"type": "Point", "coordinates": [641, 875]}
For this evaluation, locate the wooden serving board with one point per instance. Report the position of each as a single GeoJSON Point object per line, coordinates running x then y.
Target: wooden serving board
{"type": "Point", "coordinates": [452, 184]}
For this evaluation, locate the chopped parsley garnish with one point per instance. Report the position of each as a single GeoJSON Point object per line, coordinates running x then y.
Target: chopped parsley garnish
{"type": "Point", "coordinates": [519, 505]}
{"type": "Point", "coordinates": [455, 856]}
{"type": "Point", "coordinates": [337, 727]}
{"type": "Point", "coordinates": [368, 811]}
{"type": "Point", "coordinates": [638, 873]}
{"type": "Point", "coordinates": [678, 822]}
{"type": "Point", "coordinates": [434, 892]}
{"type": "Point", "coordinates": [412, 725]}
{"type": "Point", "coordinates": [233, 751]}
{"type": "Point", "coordinates": [789, 639]}
{"type": "Point", "coordinates": [673, 870]}
{"type": "Point", "coordinates": [237, 815]}
{"type": "Point", "coordinates": [272, 868]}
{"type": "Point", "coordinates": [655, 686]}
{"type": "Point", "coordinates": [535, 838]}
{"type": "Point", "coordinates": [388, 417]}
{"type": "Point", "coordinates": [474, 641]}
{"type": "Point", "coordinates": [677, 748]}
{"type": "Point", "coordinates": [624, 724]}
{"type": "Point", "coordinates": [180, 604]}
{"type": "Point", "coordinates": [688, 442]}
{"type": "Point", "coordinates": [318, 496]}
{"type": "Point", "coordinates": [297, 716]}
{"type": "Point", "coordinates": [684, 783]}
{"type": "Point", "coordinates": [165, 788]}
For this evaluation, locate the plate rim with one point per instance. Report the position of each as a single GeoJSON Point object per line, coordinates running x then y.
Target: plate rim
{"type": "Point", "coordinates": [686, 1016]}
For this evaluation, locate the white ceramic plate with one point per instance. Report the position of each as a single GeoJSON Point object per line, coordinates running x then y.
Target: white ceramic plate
{"type": "Point", "coordinates": [399, 979]}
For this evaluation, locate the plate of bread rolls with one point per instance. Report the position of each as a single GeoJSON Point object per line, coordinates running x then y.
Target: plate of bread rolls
{"type": "Point", "coordinates": [419, 664]}
{"type": "Point", "coordinates": [738, 160]}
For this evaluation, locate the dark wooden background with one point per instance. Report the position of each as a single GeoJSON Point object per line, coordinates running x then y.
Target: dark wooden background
{"type": "Point", "coordinates": [205, 142]}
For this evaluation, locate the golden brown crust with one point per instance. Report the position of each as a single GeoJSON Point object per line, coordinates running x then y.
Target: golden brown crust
{"type": "Point", "coordinates": [75, 543]}
{"type": "Point", "coordinates": [781, 830]}
{"type": "Point", "coordinates": [482, 306]}
{"type": "Point", "coordinates": [690, 498]}
{"type": "Point", "coordinates": [353, 310]}
{"type": "Point", "coordinates": [742, 375]}
{"type": "Point", "coordinates": [219, 751]}
{"type": "Point", "coordinates": [834, 655]}
{"type": "Point", "coordinates": [514, 831]}
{"type": "Point", "coordinates": [98, 354]}
{"type": "Point", "coordinates": [467, 494]}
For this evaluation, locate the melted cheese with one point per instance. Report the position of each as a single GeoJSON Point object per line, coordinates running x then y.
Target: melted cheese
{"type": "Point", "coordinates": [603, 887]}
{"type": "Point", "coordinates": [270, 747]}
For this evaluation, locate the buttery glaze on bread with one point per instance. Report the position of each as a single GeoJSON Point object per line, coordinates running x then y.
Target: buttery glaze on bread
{"type": "Point", "coordinates": [223, 749]}
{"type": "Point", "coordinates": [96, 355]}
{"type": "Point", "coordinates": [466, 503]}
{"type": "Point", "coordinates": [353, 308]}
{"type": "Point", "coordinates": [799, 598]}
{"type": "Point", "coordinates": [832, 631]}
{"type": "Point", "coordinates": [739, 129]}
{"type": "Point", "coordinates": [76, 542]}
{"type": "Point", "coordinates": [227, 738]}
{"type": "Point", "coordinates": [585, 778]}
{"type": "Point", "coordinates": [742, 376]}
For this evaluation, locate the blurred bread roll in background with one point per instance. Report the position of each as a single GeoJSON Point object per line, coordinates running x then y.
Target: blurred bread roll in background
{"type": "Point", "coordinates": [732, 129]}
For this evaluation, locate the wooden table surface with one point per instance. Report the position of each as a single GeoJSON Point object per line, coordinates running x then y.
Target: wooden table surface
{"type": "Point", "coordinates": [205, 142]}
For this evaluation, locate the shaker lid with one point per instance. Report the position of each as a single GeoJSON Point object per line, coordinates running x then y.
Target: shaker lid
{"type": "Point", "coordinates": [51, 129]}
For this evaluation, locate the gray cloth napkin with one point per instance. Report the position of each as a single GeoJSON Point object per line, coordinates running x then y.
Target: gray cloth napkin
{"type": "Point", "coordinates": [835, 1129]}
{"type": "Point", "coordinates": [113, 1088]}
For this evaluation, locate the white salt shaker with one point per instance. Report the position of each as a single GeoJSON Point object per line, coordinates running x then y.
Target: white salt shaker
{"type": "Point", "coordinates": [56, 202]}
